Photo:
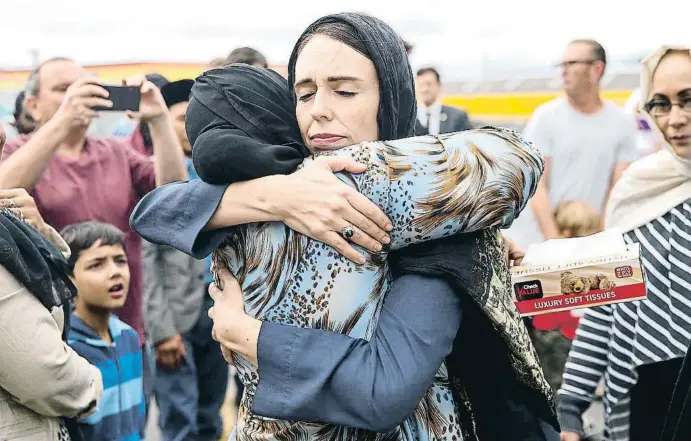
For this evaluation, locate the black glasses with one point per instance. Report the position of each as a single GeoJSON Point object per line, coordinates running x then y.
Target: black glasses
{"type": "Point", "coordinates": [663, 107]}
{"type": "Point", "coordinates": [565, 64]}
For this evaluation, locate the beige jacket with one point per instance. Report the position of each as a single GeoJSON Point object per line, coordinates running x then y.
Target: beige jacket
{"type": "Point", "coordinates": [41, 378]}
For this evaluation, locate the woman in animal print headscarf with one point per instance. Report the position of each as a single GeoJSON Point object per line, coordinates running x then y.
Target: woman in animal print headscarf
{"type": "Point", "coordinates": [401, 177]}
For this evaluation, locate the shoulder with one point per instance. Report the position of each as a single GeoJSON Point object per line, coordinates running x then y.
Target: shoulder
{"type": "Point", "coordinates": [8, 283]}
{"type": "Point", "coordinates": [614, 112]}
{"type": "Point", "coordinates": [123, 333]}
{"type": "Point", "coordinates": [14, 144]}
{"type": "Point", "coordinates": [550, 108]}
{"type": "Point", "coordinates": [455, 111]}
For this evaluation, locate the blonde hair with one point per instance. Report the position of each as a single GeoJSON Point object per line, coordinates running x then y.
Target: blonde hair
{"type": "Point", "coordinates": [577, 219]}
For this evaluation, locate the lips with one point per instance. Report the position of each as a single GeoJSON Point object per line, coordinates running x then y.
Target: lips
{"type": "Point", "coordinates": [117, 290]}
{"type": "Point", "coordinates": [325, 139]}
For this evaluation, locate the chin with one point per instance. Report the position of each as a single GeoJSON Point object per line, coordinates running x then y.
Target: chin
{"type": "Point", "coordinates": [683, 151]}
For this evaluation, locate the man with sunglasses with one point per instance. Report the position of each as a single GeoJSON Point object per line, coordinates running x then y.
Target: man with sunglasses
{"type": "Point", "coordinates": [588, 143]}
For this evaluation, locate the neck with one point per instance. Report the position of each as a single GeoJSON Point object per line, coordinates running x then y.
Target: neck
{"type": "Point", "coordinates": [587, 101]}
{"type": "Point", "coordinates": [74, 143]}
{"type": "Point", "coordinates": [96, 319]}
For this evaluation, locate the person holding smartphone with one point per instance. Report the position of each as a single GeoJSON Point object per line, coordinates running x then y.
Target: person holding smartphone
{"type": "Point", "coordinates": [74, 177]}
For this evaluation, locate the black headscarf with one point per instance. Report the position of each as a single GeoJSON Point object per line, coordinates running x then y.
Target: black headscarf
{"type": "Point", "coordinates": [241, 123]}
{"type": "Point", "coordinates": [35, 263]}
{"type": "Point", "coordinates": [397, 104]}
{"type": "Point", "coordinates": [480, 365]}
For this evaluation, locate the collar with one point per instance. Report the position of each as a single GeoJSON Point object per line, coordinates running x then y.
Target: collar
{"type": "Point", "coordinates": [82, 332]}
{"type": "Point", "coordinates": [434, 109]}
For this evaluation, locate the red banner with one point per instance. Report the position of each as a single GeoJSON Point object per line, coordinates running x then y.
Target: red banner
{"type": "Point", "coordinates": [564, 302]}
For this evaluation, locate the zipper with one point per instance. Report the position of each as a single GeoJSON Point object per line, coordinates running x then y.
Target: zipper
{"type": "Point", "coordinates": [117, 369]}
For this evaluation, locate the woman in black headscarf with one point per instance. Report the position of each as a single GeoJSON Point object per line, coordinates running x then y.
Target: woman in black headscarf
{"type": "Point", "coordinates": [479, 267]}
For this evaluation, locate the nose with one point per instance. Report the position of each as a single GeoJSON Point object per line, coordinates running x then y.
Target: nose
{"type": "Point", "coordinates": [114, 269]}
{"type": "Point", "coordinates": [321, 106]}
{"type": "Point", "coordinates": [678, 117]}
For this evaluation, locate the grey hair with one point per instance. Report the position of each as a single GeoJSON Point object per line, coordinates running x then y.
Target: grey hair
{"type": "Point", "coordinates": [33, 84]}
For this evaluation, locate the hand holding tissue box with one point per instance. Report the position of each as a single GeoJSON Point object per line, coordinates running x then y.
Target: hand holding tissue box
{"type": "Point", "coordinates": [565, 274]}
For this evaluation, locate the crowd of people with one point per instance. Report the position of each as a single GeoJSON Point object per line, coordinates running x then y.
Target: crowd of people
{"type": "Point", "coordinates": [343, 239]}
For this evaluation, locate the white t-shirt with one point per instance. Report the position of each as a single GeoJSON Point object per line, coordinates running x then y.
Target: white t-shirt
{"type": "Point", "coordinates": [583, 150]}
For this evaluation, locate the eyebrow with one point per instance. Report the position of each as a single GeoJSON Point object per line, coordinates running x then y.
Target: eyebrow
{"type": "Point", "coordinates": [336, 79]}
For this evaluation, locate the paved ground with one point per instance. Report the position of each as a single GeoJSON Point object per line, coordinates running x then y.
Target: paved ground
{"type": "Point", "coordinates": [593, 417]}
{"type": "Point", "coordinates": [228, 412]}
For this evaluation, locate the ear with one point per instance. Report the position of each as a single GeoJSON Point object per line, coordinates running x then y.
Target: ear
{"type": "Point", "coordinates": [31, 106]}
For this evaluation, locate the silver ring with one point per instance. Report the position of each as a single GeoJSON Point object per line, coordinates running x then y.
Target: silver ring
{"type": "Point", "coordinates": [348, 232]}
{"type": "Point", "coordinates": [11, 203]}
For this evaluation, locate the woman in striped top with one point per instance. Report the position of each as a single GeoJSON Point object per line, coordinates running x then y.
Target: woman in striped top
{"type": "Point", "coordinates": [638, 347]}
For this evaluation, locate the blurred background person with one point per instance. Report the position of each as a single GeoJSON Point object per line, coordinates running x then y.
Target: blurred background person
{"type": "Point", "coordinates": [434, 118]}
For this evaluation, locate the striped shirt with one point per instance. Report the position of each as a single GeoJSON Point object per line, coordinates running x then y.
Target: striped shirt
{"type": "Point", "coordinates": [613, 340]}
{"type": "Point", "coordinates": [121, 410]}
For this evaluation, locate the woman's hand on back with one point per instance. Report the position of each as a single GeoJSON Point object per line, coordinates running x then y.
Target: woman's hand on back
{"type": "Point", "coordinates": [314, 202]}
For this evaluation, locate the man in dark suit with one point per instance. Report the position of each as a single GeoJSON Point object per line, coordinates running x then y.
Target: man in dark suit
{"type": "Point", "coordinates": [432, 117]}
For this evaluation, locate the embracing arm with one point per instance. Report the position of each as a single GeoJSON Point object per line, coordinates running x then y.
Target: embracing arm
{"type": "Point", "coordinates": [192, 216]}
{"type": "Point", "coordinates": [316, 375]}
{"type": "Point", "coordinates": [458, 183]}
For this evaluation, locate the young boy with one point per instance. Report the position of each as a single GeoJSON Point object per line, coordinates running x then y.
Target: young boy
{"type": "Point", "coordinates": [101, 275]}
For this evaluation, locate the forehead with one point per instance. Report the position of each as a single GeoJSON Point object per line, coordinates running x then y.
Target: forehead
{"type": "Point", "coordinates": [61, 72]}
{"type": "Point", "coordinates": [178, 108]}
{"type": "Point", "coordinates": [578, 51]}
{"type": "Point", "coordinates": [427, 76]}
{"type": "Point", "coordinates": [98, 251]}
{"type": "Point", "coordinates": [323, 57]}
{"type": "Point", "coordinates": [673, 74]}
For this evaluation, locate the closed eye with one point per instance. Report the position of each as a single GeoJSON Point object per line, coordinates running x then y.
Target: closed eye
{"type": "Point", "coordinates": [305, 97]}
{"type": "Point", "coordinates": [346, 93]}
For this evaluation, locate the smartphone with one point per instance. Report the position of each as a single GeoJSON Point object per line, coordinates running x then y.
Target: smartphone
{"type": "Point", "coordinates": [123, 98]}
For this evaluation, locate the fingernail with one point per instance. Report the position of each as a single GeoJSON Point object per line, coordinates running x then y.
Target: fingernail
{"type": "Point", "coordinates": [3, 203]}
{"type": "Point", "coordinates": [389, 227]}
{"type": "Point", "coordinates": [386, 239]}
{"type": "Point", "coordinates": [361, 260]}
{"type": "Point", "coordinates": [377, 247]}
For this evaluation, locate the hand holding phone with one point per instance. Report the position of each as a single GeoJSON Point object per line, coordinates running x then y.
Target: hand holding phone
{"type": "Point", "coordinates": [77, 107]}
{"type": "Point", "coordinates": [124, 98]}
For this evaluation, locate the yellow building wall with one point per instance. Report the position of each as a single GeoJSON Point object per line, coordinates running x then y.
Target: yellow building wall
{"type": "Point", "coordinates": [497, 107]}
{"type": "Point", "coordinates": [515, 106]}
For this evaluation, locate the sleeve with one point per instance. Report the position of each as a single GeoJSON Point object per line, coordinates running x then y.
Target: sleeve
{"type": "Point", "coordinates": [223, 154]}
{"type": "Point", "coordinates": [458, 183]}
{"type": "Point", "coordinates": [142, 170]}
{"type": "Point", "coordinates": [627, 149]}
{"type": "Point", "coordinates": [537, 131]}
{"type": "Point", "coordinates": [175, 214]}
{"type": "Point", "coordinates": [314, 375]}
{"type": "Point", "coordinates": [584, 367]}
{"type": "Point", "coordinates": [160, 319]}
{"type": "Point", "coordinates": [37, 368]}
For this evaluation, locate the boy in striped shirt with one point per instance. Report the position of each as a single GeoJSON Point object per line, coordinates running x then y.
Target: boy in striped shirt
{"type": "Point", "coordinates": [101, 275]}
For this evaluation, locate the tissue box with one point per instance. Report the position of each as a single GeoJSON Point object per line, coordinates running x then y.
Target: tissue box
{"type": "Point", "coordinates": [595, 281]}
